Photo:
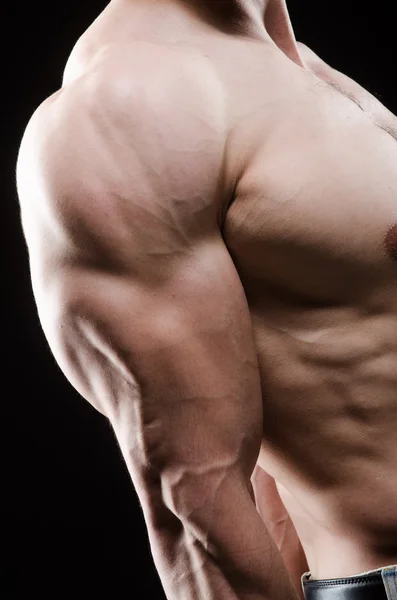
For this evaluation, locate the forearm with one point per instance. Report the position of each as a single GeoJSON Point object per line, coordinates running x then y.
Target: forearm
{"type": "Point", "coordinates": [289, 545]}
{"type": "Point", "coordinates": [295, 560]}
{"type": "Point", "coordinates": [279, 524]}
{"type": "Point", "coordinates": [222, 551]}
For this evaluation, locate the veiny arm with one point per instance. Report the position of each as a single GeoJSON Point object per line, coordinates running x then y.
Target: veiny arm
{"type": "Point", "coordinates": [279, 524]}
{"type": "Point", "coordinates": [145, 314]}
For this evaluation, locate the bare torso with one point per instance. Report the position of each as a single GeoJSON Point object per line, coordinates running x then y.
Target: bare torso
{"type": "Point", "coordinates": [312, 228]}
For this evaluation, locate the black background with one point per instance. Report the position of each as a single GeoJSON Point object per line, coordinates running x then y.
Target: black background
{"type": "Point", "coordinates": [72, 524]}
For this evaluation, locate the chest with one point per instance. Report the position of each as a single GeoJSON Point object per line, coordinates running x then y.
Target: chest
{"type": "Point", "coordinates": [315, 210]}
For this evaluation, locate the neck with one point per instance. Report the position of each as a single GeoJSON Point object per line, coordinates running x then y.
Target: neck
{"type": "Point", "coordinates": [277, 23]}
{"type": "Point", "coordinates": [263, 18]}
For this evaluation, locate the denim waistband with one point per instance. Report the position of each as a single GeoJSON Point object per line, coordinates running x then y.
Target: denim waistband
{"type": "Point", "coordinates": [380, 584]}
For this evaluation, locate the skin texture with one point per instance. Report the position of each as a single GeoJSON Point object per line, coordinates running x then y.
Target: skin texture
{"type": "Point", "coordinates": [221, 278]}
{"type": "Point", "coordinates": [135, 312]}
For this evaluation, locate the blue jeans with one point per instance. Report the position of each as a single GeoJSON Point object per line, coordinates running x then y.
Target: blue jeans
{"type": "Point", "coordinates": [380, 584]}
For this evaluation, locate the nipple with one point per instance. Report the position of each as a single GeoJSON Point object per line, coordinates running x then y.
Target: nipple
{"type": "Point", "coordinates": [390, 242]}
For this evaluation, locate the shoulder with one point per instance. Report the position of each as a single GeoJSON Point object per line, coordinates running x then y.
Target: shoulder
{"type": "Point", "coordinates": [129, 97]}
{"type": "Point", "coordinates": [344, 84]}
{"type": "Point", "coordinates": [116, 148]}
{"type": "Point", "coordinates": [126, 93]}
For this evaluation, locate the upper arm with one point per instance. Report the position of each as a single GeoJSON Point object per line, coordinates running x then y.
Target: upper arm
{"type": "Point", "coordinates": [137, 294]}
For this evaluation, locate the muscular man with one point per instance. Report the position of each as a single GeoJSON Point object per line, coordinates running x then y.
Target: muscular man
{"type": "Point", "coordinates": [211, 217]}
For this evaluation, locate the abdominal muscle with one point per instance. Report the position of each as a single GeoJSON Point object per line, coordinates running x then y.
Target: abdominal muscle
{"type": "Point", "coordinates": [330, 446]}
{"type": "Point", "coordinates": [331, 449]}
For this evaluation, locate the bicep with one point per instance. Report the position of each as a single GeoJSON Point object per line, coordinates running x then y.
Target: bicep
{"type": "Point", "coordinates": [140, 300]}
{"type": "Point", "coordinates": [173, 368]}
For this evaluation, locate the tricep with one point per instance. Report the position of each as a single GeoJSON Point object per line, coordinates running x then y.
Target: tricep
{"type": "Point", "coordinates": [137, 294]}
